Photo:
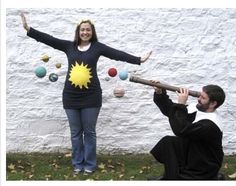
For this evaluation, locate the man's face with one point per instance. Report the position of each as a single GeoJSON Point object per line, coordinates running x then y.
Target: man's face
{"type": "Point", "coordinates": [203, 102]}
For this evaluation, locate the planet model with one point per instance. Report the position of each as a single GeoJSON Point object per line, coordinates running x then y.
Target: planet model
{"type": "Point", "coordinates": [119, 92]}
{"type": "Point", "coordinates": [53, 77]}
{"type": "Point", "coordinates": [123, 75]}
{"type": "Point", "coordinates": [112, 72]}
{"type": "Point", "coordinates": [58, 65]}
{"type": "Point", "coordinates": [40, 72]}
{"type": "Point", "coordinates": [45, 58]}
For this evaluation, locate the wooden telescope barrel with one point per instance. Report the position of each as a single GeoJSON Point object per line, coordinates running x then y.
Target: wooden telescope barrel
{"type": "Point", "coordinates": [161, 85]}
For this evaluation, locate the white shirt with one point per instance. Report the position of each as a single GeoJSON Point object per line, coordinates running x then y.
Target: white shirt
{"type": "Point", "coordinates": [84, 48]}
{"type": "Point", "coordinates": [213, 116]}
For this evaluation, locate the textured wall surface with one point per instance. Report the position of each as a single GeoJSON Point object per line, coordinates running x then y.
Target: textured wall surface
{"type": "Point", "coordinates": [191, 48]}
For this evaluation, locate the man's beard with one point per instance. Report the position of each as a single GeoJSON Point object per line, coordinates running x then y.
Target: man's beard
{"type": "Point", "coordinates": [202, 107]}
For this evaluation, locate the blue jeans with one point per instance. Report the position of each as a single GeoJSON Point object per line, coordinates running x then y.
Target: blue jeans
{"type": "Point", "coordinates": [83, 137]}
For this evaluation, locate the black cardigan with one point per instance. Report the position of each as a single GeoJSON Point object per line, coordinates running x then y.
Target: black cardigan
{"type": "Point", "coordinates": [82, 91]}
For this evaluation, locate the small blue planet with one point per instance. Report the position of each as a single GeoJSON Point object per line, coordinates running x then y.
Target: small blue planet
{"type": "Point", "coordinates": [40, 72]}
{"type": "Point", "coordinates": [123, 75]}
{"type": "Point", "coordinates": [53, 77]}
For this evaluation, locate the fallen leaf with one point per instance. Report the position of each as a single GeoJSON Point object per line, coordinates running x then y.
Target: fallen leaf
{"type": "Point", "coordinates": [28, 163]}
{"type": "Point", "coordinates": [232, 175]}
{"type": "Point", "coordinates": [104, 171]}
{"type": "Point", "coordinates": [11, 166]}
{"type": "Point", "coordinates": [68, 155]}
{"type": "Point", "coordinates": [226, 166]}
{"type": "Point", "coordinates": [110, 166]}
{"type": "Point", "coordinates": [66, 177]}
{"type": "Point", "coordinates": [31, 176]}
{"type": "Point", "coordinates": [32, 166]}
{"type": "Point", "coordinates": [28, 173]}
{"type": "Point", "coordinates": [101, 166]}
{"type": "Point", "coordinates": [20, 167]}
{"type": "Point", "coordinates": [121, 175]}
{"type": "Point", "coordinates": [118, 163]}
{"type": "Point", "coordinates": [55, 166]}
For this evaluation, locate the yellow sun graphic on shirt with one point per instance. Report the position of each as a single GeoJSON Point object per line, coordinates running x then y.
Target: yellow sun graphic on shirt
{"type": "Point", "coordinates": [80, 75]}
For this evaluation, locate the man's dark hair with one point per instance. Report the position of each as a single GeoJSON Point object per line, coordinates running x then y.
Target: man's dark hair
{"type": "Point", "coordinates": [215, 93]}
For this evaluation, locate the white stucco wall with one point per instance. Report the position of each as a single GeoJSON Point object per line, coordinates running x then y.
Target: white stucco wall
{"type": "Point", "coordinates": [191, 48]}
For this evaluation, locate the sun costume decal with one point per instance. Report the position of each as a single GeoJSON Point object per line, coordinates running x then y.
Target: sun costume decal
{"type": "Point", "coordinates": [80, 75]}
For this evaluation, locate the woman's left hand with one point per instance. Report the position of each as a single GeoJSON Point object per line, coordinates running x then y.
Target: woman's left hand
{"type": "Point", "coordinates": [145, 58]}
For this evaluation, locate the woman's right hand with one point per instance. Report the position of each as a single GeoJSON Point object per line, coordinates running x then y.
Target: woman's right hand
{"type": "Point", "coordinates": [25, 25]}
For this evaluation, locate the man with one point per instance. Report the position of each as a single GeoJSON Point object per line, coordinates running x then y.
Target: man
{"type": "Point", "coordinates": [195, 152]}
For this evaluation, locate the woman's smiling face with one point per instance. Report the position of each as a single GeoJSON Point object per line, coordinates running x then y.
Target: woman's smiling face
{"type": "Point", "coordinates": [85, 32]}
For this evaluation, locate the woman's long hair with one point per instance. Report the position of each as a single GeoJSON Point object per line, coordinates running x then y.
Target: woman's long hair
{"type": "Point", "coordinates": [77, 39]}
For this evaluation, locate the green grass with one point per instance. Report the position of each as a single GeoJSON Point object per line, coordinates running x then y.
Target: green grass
{"type": "Point", "coordinates": [110, 167]}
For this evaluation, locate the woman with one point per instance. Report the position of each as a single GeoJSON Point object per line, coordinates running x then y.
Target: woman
{"type": "Point", "coordinates": [82, 94]}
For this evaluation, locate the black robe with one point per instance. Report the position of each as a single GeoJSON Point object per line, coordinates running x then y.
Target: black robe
{"type": "Point", "coordinates": [195, 152]}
